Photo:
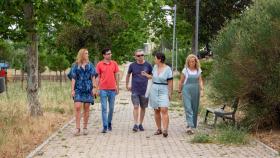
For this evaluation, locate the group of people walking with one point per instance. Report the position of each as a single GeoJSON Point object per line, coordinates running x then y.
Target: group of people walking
{"type": "Point", "coordinates": [88, 81]}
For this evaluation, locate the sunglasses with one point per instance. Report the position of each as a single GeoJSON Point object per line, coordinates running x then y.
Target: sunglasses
{"type": "Point", "coordinates": [140, 55]}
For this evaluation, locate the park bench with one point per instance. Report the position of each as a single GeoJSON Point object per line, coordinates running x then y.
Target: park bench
{"type": "Point", "coordinates": [221, 112]}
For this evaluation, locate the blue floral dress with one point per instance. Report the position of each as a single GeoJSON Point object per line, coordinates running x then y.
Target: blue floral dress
{"type": "Point", "coordinates": [83, 85]}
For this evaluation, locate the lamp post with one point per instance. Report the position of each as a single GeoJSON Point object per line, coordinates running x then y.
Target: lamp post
{"type": "Point", "coordinates": [196, 27]}
{"type": "Point", "coordinates": [166, 7]}
{"type": "Point", "coordinates": [176, 60]}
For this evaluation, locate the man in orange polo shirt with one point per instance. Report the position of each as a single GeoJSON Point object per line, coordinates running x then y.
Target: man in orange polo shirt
{"type": "Point", "coordinates": [108, 83]}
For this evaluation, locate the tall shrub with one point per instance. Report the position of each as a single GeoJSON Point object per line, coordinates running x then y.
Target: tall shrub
{"type": "Point", "coordinates": [247, 63]}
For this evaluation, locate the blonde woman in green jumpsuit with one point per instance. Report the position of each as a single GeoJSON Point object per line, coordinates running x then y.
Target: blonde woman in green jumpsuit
{"type": "Point", "coordinates": [191, 88]}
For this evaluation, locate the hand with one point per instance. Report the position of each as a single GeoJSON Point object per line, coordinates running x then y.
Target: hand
{"type": "Point", "coordinates": [128, 88]}
{"type": "Point", "coordinates": [180, 95]}
{"type": "Point", "coordinates": [117, 91]}
{"type": "Point", "coordinates": [144, 73]}
{"type": "Point", "coordinates": [201, 93]}
{"type": "Point", "coordinates": [73, 93]}
{"type": "Point", "coordinates": [169, 96]}
{"type": "Point", "coordinates": [94, 93]}
{"type": "Point", "coordinates": [97, 92]}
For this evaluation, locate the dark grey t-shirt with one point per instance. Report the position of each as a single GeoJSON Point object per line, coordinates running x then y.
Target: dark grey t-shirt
{"type": "Point", "coordinates": [139, 82]}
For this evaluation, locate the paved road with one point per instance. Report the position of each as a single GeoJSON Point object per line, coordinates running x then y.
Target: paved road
{"type": "Point", "coordinates": [122, 142]}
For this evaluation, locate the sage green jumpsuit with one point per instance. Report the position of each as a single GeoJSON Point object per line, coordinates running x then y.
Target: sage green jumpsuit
{"type": "Point", "coordinates": [191, 96]}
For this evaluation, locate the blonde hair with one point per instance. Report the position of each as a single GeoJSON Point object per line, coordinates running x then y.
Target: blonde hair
{"type": "Point", "coordinates": [197, 63]}
{"type": "Point", "coordinates": [80, 56]}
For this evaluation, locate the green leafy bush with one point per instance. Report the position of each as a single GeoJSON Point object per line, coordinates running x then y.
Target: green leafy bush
{"type": "Point", "coordinates": [247, 53]}
{"type": "Point", "coordinates": [206, 67]}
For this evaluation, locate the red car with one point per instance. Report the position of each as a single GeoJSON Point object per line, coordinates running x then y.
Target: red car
{"type": "Point", "coordinates": [3, 73]}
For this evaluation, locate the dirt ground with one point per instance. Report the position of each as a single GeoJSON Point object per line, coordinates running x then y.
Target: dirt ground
{"type": "Point", "coordinates": [270, 138]}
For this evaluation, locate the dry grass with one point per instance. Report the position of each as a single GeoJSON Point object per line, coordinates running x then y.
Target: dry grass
{"type": "Point", "coordinates": [19, 133]}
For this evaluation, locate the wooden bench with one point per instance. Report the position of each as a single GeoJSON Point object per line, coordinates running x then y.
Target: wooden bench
{"type": "Point", "coordinates": [220, 112]}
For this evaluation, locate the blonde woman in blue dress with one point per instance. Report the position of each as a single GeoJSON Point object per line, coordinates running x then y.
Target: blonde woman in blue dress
{"type": "Point", "coordinates": [192, 87]}
{"type": "Point", "coordinates": [160, 93]}
{"type": "Point", "coordinates": [82, 75]}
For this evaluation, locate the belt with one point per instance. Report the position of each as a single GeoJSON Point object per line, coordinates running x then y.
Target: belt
{"type": "Point", "coordinates": [160, 83]}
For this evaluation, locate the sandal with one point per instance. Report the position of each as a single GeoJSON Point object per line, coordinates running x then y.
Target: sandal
{"type": "Point", "coordinates": [165, 133]}
{"type": "Point", "coordinates": [190, 131]}
{"type": "Point", "coordinates": [158, 132]}
{"type": "Point", "coordinates": [77, 132]}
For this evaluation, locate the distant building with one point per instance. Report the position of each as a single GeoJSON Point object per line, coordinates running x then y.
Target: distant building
{"type": "Point", "coordinates": [148, 47]}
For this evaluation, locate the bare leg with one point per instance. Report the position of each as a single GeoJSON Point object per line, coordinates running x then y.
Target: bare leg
{"type": "Point", "coordinates": [165, 118]}
{"type": "Point", "coordinates": [158, 118]}
{"type": "Point", "coordinates": [78, 113]}
{"type": "Point", "coordinates": [136, 114]}
{"type": "Point", "coordinates": [86, 114]}
{"type": "Point", "coordinates": [142, 114]}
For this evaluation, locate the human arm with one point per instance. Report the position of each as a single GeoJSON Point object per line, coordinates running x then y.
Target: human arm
{"type": "Point", "coordinates": [201, 85]}
{"type": "Point", "coordinates": [170, 88]}
{"type": "Point", "coordinates": [146, 75]}
{"type": "Point", "coordinates": [94, 85]}
{"type": "Point", "coordinates": [127, 82]}
{"type": "Point", "coordinates": [73, 81]}
{"type": "Point", "coordinates": [97, 84]}
{"type": "Point", "coordinates": [117, 77]}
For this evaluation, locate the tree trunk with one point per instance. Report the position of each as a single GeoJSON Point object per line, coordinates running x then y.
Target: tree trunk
{"type": "Point", "coordinates": [39, 79]}
{"type": "Point", "coordinates": [60, 77]}
{"type": "Point", "coordinates": [34, 106]}
{"type": "Point", "coordinates": [50, 77]}
{"type": "Point", "coordinates": [65, 78]}
{"type": "Point", "coordinates": [56, 76]}
{"type": "Point", "coordinates": [22, 77]}
{"type": "Point", "coordinates": [14, 78]}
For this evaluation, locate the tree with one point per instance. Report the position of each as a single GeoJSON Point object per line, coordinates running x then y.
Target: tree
{"type": "Point", "coordinates": [25, 20]}
{"type": "Point", "coordinates": [212, 16]}
{"type": "Point", "coordinates": [19, 62]}
{"type": "Point", "coordinates": [5, 51]}
{"type": "Point", "coordinates": [64, 64]}
{"type": "Point", "coordinates": [247, 63]}
{"type": "Point", "coordinates": [119, 24]}
{"type": "Point", "coordinates": [41, 66]}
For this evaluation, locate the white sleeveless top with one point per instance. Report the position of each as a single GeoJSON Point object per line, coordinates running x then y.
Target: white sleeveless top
{"type": "Point", "coordinates": [187, 71]}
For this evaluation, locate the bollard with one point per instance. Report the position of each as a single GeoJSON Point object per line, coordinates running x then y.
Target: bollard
{"type": "Point", "coordinates": [2, 84]}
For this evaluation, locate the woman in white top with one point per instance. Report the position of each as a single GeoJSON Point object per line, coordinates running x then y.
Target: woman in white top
{"type": "Point", "coordinates": [192, 87]}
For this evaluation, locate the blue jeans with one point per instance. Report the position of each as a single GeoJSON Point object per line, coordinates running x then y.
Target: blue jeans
{"type": "Point", "coordinates": [104, 95]}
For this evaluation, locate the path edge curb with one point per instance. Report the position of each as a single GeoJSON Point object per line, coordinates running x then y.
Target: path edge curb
{"type": "Point", "coordinates": [38, 148]}
{"type": "Point", "coordinates": [276, 153]}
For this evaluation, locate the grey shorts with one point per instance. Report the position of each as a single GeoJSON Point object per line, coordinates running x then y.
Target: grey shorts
{"type": "Point", "coordinates": [139, 100]}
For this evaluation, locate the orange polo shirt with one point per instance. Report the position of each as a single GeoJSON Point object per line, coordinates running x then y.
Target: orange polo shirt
{"type": "Point", "coordinates": [106, 73]}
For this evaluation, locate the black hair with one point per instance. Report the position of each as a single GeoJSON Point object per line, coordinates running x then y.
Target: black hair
{"type": "Point", "coordinates": [105, 50]}
{"type": "Point", "coordinates": [160, 56]}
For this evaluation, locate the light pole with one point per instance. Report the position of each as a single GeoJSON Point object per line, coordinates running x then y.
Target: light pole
{"type": "Point", "coordinates": [166, 7]}
{"type": "Point", "coordinates": [176, 60]}
{"type": "Point", "coordinates": [196, 27]}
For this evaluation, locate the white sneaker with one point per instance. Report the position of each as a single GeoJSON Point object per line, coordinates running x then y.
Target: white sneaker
{"type": "Point", "coordinates": [85, 131]}
{"type": "Point", "coordinates": [77, 132]}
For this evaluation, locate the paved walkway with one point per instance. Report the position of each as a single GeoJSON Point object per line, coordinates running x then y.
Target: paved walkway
{"type": "Point", "coordinates": [122, 142]}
